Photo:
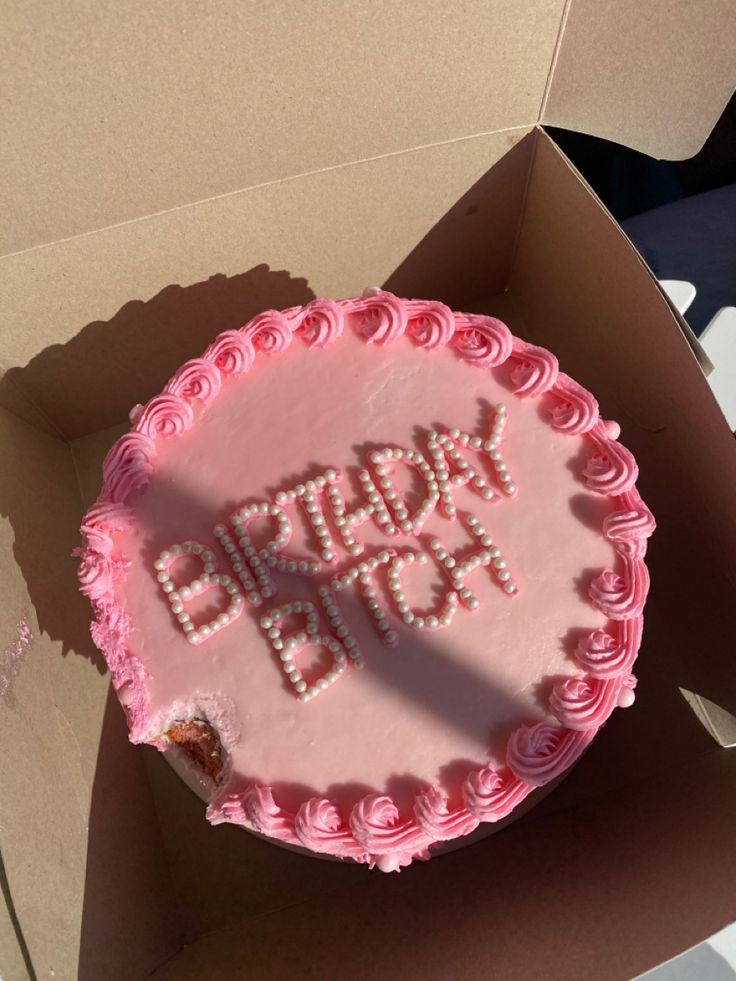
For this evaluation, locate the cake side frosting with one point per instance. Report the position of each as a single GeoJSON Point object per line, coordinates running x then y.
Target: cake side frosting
{"type": "Point", "coordinates": [375, 830]}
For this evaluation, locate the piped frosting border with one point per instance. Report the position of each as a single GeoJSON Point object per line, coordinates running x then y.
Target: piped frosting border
{"type": "Point", "coordinates": [375, 832]}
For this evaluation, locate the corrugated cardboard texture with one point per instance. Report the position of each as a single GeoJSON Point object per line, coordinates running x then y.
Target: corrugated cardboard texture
{"type": "Point", "coordinates": [153, 293]}
{"type": "Point", "coordinates": [120, 111]}
{"type": "Point", "coordinates": [66, 764]}
{"type": "Point", "coordinates": [654, 76]}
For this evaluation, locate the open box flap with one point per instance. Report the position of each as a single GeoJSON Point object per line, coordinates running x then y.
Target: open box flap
{"type": "Point", "coordinates": [654, 76]}
{"type": "Point", "coordinates": [122, 111]}
{"type": "Point", "coordinates": [119, 112]}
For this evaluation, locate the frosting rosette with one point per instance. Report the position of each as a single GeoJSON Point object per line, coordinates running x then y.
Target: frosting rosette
{"type": "Point", "coordinates": [227, 809]}
{"type": "Point", "coordinates": [576, 411]}
{"type": "Point", "coordinates": [431, 324]}
{"type": "Point", "coordinates": [382, 317]}
{"type": "Point", "coordinates": [269, 332]}
{"type": "Point", "coordinates": [231, 353]}
{"type": "Point", "coordinates": [539, 753]}
{"type": "Point", "coordinates": [108, 514]}
{"type": "Point", "coordinates": [612, 469]}
{"type": "Point", "coordinates": [128, 466]}
{"type": "Point", "coordinates": [95, 538]}
{"type": "Point", "coordinates": [377, 826]}
{"type": "Point", "coordinates": [197, 380]}
{"type": "Point", "coordinates": [165, 415]}
{"type": "Point", "coordinates": [584, 703]}
{"type": "Point", "coordinates": [321, 323]}
{"type": "Point", "coordinates": [602, 654]}
{"type": "Point", "coordinates": [95, 575]}
{"type": "Point", "coordinates": [318, 826]}
{"type": "Point", "coordinates": [437, 820]}
{"type": "Point", "coordinates": [490, 795]}
{"type": "Point", "coordinates": [256, 808]}
{"type": "Point", "coordinates": [621, 597]}
{"type": "Point", "coordinates": [483, 341]}
{"type": "Point", "coordinates": [534, 370]}
{"type": "Point", "coordinates": [634, 525]}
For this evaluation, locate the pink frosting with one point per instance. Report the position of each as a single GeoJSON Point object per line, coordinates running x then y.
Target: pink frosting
{"type": "Point", "coordinates": [577, 411]}
{"type": "Point", "coordinates": [377, 826]}
{"type": "Point", "coordinates": [268, 332]}
{"type": "Point", "coordinates": [100, 524]}
{"type": "Point", "coordinates": [109, 630]}
{"type": "Point", "coordinates": [127, 468]}
{"type": "Point", "coordinates": [98, 572]}
{"type": "Point", "coordinates": [375, 831]}
{"type": "Point", "coordinates": [165, 415]}
{"type": "Point", "coordinates": [612, 469]}
{"type": "Point", "coordinates": [623, 596]}
{"type": "Point", "coordinates": [95, 538]}
{"type": "Point", "coordinates": [539, 753]}
{"type": "Point", "coordinates": [534, 370]}
{"type": "Point", "coordinates": [490, 795]}
{"type": "Point", "coordinates": [634, 525]}
{"type": "Point", "coordinates": [584, 703]}
{"type": "Point", "coordinates": [319, 826]}
{"type": "Point", "coordinates": [382, 316]}
{"type": "Point", "coordinates": [231, 353]}
{"type": "Point", "coordinates": [256, 808]}
{"type": "Point", "coordinates": [322, 323]}
{"type": "Point", "coordinates": [611, 652]}
{"type": "Point", "coordinates": [437, 821]}
{"type": "Point", "coordinates": [108, 515]}
{"type": "Point", "coordinates": [483, 341]}
{"type": "Point", "coordinates": [196, 380]}
{"type": "Point", "coordinates": [431, 323]}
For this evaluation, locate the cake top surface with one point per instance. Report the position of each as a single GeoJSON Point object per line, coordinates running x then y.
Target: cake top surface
{"type": "Point", "coordinates": [398, 584]}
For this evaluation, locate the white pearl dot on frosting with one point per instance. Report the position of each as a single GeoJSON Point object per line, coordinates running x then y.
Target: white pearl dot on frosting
{"type": "Point", "coordinates": [626, 697]}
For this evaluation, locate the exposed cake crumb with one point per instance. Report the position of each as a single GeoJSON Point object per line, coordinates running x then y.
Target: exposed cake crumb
{"type": "Point", "coordinates": [201, 743]}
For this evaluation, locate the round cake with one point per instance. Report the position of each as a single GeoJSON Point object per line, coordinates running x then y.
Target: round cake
{"type": "Point", "coordinates": [375, 568]}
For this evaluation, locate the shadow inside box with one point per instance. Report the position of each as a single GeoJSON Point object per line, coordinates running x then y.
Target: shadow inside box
{"type": "Point", "coordinates": [158, 875]}
{"type": "Point", "coordinates": [90, 384]}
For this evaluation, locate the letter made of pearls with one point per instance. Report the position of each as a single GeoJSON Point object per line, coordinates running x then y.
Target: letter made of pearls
{"type": "Point", "coordinates": [208, 579]}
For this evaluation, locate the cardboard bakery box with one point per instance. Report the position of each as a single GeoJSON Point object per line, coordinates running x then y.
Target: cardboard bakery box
{"type": "Point", "coordinates": [171, 170]}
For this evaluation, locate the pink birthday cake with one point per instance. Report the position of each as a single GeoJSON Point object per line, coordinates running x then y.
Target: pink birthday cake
{"type": "Point", "coordinates": [374, 568]}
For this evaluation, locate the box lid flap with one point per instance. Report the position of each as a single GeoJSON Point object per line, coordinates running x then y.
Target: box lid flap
{"type": "Point", "coordinates": [653, 76]}
{"type": "Point", "coordinates": [119, 112]}
{"type": "Point", "coordinates": [116, 113]}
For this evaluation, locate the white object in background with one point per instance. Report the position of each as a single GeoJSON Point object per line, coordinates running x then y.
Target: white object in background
{"type": "Point", "coordinates": [713, 960]}
{"type": "Point", "coordinates": [719, 343]}
{"type": "Point", "coordinates": [680, 292]}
